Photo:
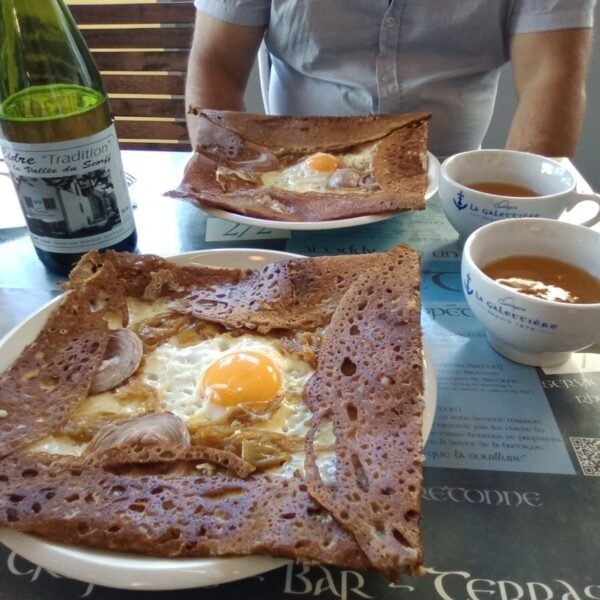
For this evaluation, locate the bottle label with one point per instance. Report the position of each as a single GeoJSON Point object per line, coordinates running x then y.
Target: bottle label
{"type": "Point", "coordinates": [73, 194]}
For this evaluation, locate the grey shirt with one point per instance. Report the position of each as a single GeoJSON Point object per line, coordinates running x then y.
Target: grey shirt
{"type": "Point", "coordinates": [347, 57]}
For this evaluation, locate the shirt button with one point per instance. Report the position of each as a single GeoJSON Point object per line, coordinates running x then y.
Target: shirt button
{"type": "Point", "coordinates": [386, 78]}
{"type": "Point", "coordinates": [390, 21]}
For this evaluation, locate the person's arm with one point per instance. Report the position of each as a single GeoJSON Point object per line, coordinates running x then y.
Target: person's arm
{"type": "Point", "coordinates": [219, 65]}
{"type": "Point", "coordinates": [549, 70]}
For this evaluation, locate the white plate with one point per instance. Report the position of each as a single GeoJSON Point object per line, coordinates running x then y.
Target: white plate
{"type": "Point", "coordinates": [131, 571]}
{"type": "Point", "coordinates": [433, 176]}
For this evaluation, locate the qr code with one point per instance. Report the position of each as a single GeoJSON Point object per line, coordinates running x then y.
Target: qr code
{"type": "Point", "coordinates": [588, 454]}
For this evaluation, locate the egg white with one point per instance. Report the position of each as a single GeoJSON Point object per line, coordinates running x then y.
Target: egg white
{"type": "Point", "coordinates": [178, 372]}
{"type": "Point", "coordinates": [301, 178]}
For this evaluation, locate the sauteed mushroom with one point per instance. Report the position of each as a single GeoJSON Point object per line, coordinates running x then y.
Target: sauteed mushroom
{"type": "Point", "coordinates": [344, 178]}
{"type": "Point", "coordinates": [121, 360]}
{"type": "Point", "coordinates": [149, 429]}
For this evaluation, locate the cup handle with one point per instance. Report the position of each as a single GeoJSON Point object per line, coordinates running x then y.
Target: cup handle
{"type": "Point", "coordinates": [577, 198]}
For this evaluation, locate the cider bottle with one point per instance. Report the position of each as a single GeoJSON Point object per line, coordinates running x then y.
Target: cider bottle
{"type": "Point", "coordinates": [58, 138]}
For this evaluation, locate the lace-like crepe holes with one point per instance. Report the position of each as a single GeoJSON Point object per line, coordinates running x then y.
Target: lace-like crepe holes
{"type": "Point", "coordinates": [89, 498]}
{"type": "Point", "coordinates": [386, 380]}
{"type": "Point", "coordinates": [172, 534]}
{"type": "Point", "coordinates": [352, 498]}
{"type": "Point", "coordinates": [412, 516]}
{"type": "Point", "coordinates": [98, 302]}
{"type": "Point", "coordinates": [138, 507]}
{"type": "Point", "coordinates": [400, 538]}
{"type": "Point", "coordinates": [313, 511]}
{"type": "Point", "coordinates": [29, 375]}
{"type": "Point", "coordinates": [49, 382]}
{"type": "Point", "coordinates": [359, 473]}
{"type": "Point", "coordinates": [348, 368]}
{"type": "Point", "coordinates": [352, 411]}
{"type": "Point", "coordinates": [83, 528]}
{"type": "Point", "coordinates": [12, 516]}
{"type": "Point", "coordinates": [224, 493]}
{"type": "Point", "coordinates": [377, 335]}
{"type": "Point", "coordinates": [221, 515]}
{"type": "Point", "coordinates": [117, 490]}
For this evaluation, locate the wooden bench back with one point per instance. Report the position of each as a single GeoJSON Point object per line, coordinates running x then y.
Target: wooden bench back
{"type": "Point", "coordinates": [142, 50]}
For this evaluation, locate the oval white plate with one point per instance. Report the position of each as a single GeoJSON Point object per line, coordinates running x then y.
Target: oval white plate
{"type": "Point", "coordinates": [433, 176]}
{"type": "Point", "coordinates": [131, 571]}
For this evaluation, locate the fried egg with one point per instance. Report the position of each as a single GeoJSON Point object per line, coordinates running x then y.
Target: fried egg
{"type": "Point", "coordinates": [227, 380]}
{"type": "Point", "coordinates": [209, 383]}
{"type": "Point", "coordinates": [314, 172]}
{"type": "Point", "coordinates": [215, 378]}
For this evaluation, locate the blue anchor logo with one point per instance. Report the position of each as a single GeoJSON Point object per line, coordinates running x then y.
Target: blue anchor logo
{"type": "Point", "coordinates": [458, 201]}
{"type": "Point", "coordinates": [467, 284]}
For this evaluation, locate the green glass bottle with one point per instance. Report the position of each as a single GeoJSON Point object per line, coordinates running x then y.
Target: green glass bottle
{"type": "Point", "coordinates": [58, 138]}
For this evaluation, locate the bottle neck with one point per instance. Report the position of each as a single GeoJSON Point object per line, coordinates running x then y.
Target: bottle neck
{"type": "Point", "coordinates": [40, 45]}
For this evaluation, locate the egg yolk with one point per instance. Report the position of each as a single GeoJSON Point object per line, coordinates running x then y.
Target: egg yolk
{"type": "Point", "coordinates": [322, 162]}
{"type": "Point", "coordinates": [240, 378]}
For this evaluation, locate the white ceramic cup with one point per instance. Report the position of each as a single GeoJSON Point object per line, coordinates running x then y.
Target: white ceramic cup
{"type": "Point", "coordinates": [469, 209]}
{"type": "Point", "coordinates": [525, 329]}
